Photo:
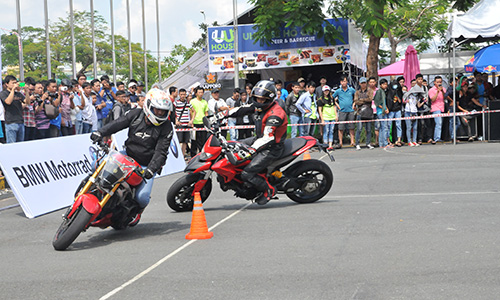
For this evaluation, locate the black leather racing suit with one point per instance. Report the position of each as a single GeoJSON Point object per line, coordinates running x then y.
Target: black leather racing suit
{"type": "Point", "coordinates": [270, 128]}
{"type": "Point", "coordinates": [147, 144]}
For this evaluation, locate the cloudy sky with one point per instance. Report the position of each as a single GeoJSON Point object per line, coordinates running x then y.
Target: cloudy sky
{"type": "Point", "coordinates": [178, 19]}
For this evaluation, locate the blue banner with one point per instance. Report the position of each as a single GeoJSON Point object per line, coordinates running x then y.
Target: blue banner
{"type": "Point", "coordinates": [221, 39]}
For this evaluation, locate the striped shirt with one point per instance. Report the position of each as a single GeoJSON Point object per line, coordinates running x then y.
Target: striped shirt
{"type": "Point", "coordinates": [42, 122]}
{"type": "Point", "coordinates": [179, 109]}
{"type": "Point", "coordinates": [29, 115]}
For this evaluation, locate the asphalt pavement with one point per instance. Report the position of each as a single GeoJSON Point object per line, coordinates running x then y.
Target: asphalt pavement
{"type": "Point", "coordinates": [403, 223]}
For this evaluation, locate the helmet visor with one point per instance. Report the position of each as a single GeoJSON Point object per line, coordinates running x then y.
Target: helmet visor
{"type": "Point", "coordinates": [160, 112]}
{"type": "Point", "coordinates": [261, 99]}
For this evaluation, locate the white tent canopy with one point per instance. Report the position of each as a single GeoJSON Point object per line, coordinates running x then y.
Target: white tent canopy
{"type": "Point", "coordinates": [191, 72]}
{"type": "Point", "coordinates": [443, 63]}
{"type": "Point", "coordinates": [480, 23]}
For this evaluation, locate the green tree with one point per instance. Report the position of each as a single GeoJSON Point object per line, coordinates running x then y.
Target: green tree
{"type": "Point", "coordinates": [202, 41]}
{"type": "Point", "coordinates": [374, 17]}
{"type": "Point", "coordinates": [464, 5]}
{"type": "Point", "coordinates": [418, 21]}
{"type": "Point", "coordinates": [271, 15]}
{"type": "Point", "coordinates": [370, 16]}
{"type": "Point", "coordinates": [179, 55]}
{"type": "Point", "coordinates": [35, 56]}
{"type": "Point", "coordinates": [398, 20]}
{"type": "Point", "coordinates": [60, 39]}
{"type": "Point", "coordinates": [33, 40]}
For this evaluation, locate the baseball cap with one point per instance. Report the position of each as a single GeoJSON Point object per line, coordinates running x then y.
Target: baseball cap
{"type": "Point", "coordinates": [362, 80]}
{"type": "Point", "coordinates": [326, 88]}
{"type": "Point", "coordinates": [215, 91]}
{"type": "Point", "coordinates": [132, 84]}
{"type": "Point", "coordinates": [140, 83]}
{"type": "Point", "coordinates": [301, 79]}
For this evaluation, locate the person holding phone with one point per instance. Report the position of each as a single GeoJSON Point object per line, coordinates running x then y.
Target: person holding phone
{"type": "Point", "coordinates": [436, 96]}
{"type": "Point", "coordinates": [67, 105]}
{"type": "Point", "coordinates": [29, 110]}
{"type": "Point", "coordinates": [12, 101]}
{"type": "Point", "coordinates": [107, 94]}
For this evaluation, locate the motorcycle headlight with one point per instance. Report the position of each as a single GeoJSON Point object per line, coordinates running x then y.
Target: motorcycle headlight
{"type": "Point", "coordinates": [205, 156]}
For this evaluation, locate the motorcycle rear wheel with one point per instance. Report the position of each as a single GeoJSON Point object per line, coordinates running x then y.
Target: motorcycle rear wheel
{"type": "Point", "coordinates": [315, 180]}
{"type": "Point", "coordinates": [71, 228]}
{"type": "Point", "coordinates": [179, 196]}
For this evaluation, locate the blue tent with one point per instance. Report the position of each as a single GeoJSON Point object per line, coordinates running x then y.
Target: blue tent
{"type": "Point", "coordinates": [486, 60]}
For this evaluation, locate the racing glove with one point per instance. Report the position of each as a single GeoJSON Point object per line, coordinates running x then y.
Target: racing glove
{"type": "Point", "coordinates": [96, 136]}
{"type": "Point", "coordinates": [148, 174]}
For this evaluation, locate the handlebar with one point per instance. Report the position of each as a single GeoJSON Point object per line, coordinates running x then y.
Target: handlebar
{"type": "Point", "coordinates": [103, 146]}
{"type": "Point", "coordinates": [139, 171]}
{"type": "Point", "coordinates": [217, 133]}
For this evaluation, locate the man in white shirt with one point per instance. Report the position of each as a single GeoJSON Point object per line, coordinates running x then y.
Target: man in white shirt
{"type": "Point", "coordinates": [233, 133]}
{"type": "Point", "coordinates": [88, 110]}
{"type": "Point", "coordinates": [216, 105]}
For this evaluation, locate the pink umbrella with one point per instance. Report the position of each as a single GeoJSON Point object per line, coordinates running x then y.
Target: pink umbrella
{"type": "Point", "coordinates": [412, 65]}
{"type": "Point", "coordinates": [396, 68]}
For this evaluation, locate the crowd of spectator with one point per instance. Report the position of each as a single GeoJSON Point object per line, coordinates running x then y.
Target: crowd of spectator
{"type": "Point", "coordinates": [33, 109]}
{"type": "Point", "coordinates": [50, 108]}
{"type": "Point", "coordinates": [373, 103]}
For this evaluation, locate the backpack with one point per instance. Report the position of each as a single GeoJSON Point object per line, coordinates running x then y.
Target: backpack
{"type": "Point", "coordinates": [51, 111]}
{"type": "Point", "coordinates": [111, 115]}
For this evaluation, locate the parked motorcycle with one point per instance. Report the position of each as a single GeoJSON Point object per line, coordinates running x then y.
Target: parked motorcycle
{"type": "Point", "coordinates": [304, 181]}
{"type": "Point", "coordinates": [105, 198]}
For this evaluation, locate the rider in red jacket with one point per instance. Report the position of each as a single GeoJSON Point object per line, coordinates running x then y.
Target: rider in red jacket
{"type": "Point", "coordinates": [270, 127]}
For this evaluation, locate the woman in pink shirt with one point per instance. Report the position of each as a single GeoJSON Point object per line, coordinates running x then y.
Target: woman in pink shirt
{"type": "Point", "coordinates": [436, 96]}
{"type": "Point", "coordinates": [372, 84]}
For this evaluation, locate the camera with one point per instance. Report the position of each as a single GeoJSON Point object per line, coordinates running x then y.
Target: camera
{"type": "Point", "coordinates": [64, 88]}
{"type": "Point", "coordinates": [53, 95]}
{"type": "Point", "coordinates": [38, 98]}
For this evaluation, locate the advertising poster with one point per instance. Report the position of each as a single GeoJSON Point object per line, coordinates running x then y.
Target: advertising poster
{"type": "Point", "coordinates": [290, 48]}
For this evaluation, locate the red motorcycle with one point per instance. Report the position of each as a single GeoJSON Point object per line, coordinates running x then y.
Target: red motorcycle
{"type": "Point", "coordinates": [304, 181]}
{"type": "Point", "coordinates": [105, 198]}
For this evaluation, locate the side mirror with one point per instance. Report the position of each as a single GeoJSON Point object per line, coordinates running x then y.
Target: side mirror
{"type": "Point", "coordinates": [93, 153]}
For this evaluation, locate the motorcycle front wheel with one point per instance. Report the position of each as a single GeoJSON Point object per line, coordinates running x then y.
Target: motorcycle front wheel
{"type": "Point", "coordinates": [313, 181]}
{"type": "Point", "coordinates": [71, 228]}
{"type": "Point", "coordinates": [180, 195]}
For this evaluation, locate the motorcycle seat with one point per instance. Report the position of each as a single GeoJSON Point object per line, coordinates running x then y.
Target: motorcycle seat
{"type": "Point", "coordinates": [293, 145]}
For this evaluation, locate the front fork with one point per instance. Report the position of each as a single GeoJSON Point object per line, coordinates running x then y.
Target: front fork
{"type": "Point", "coordinates": [91, 180]}
{"type": "Point", "coordinates": [198, 186]}
{"type": "Point", "coordinates": [86, 188]}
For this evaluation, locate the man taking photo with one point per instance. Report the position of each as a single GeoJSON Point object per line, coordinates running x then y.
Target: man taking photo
{"type": "Point", "coordinates": [13, 105]}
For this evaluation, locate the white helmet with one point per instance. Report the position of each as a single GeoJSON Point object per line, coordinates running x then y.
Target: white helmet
{"type": "Point", "coordinates": [158, 99]}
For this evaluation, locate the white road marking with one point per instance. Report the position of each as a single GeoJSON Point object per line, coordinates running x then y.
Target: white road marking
{"type": "Point", "coordinates": [9, 207]}
{"type": "Point", "coordinates": [417, 194]}
{"type": "Point", "coordinates": [161, 261]}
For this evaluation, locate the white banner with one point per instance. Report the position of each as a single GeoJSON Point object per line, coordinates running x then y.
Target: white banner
{"type": "Point", "coordinates": [44, 174]}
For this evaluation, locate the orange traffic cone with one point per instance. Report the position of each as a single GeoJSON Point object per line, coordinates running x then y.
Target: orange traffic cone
{"type": "Point", "coordinates": [307, 155]}
{"type": "Point", "coordinates": [199, 228]}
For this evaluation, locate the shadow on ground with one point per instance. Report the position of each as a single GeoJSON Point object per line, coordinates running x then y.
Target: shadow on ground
{"type": "Point", "coordinates": [109, 235]}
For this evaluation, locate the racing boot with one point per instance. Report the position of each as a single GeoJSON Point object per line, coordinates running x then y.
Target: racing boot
{"type": "Point", "coordinates": [136, 219]}
{"type": "Point", "coordinates": [267, 195]}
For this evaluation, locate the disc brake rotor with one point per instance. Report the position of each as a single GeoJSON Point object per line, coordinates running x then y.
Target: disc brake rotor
{"type": "Point", "coordinates": [310, 186]}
